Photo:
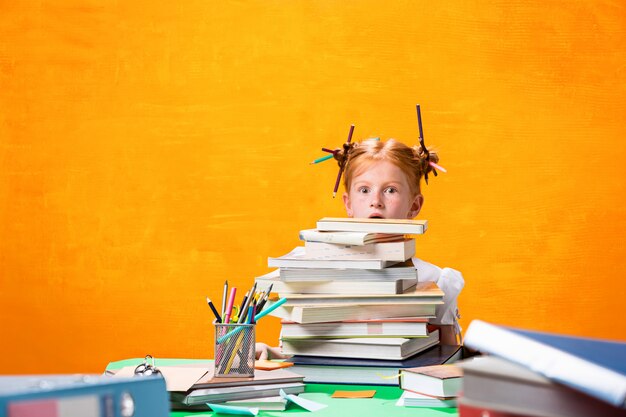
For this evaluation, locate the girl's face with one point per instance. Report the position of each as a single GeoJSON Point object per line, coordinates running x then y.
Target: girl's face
{"type": "Point", "coordinates": [381, 190]}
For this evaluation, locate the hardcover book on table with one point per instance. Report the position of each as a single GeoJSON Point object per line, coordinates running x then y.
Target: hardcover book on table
{"type": "Point", "coordinates": [499, 385]}
{"type": "Point", "coordinates": [217, 395]}
{"type": "Point", "coordinates": [414, 399]}
{"type": "Point", "coordinates": [333, 370]}
{"type": "Point", "coordinates": [595, 367]}
{"type": "Point", "coordinates": [82, 395]}
{"type": "Point", "coordinates": [436, 380]}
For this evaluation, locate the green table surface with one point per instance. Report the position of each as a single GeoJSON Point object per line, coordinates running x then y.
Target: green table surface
{"type": "Point", "coordinates": [383, 404]}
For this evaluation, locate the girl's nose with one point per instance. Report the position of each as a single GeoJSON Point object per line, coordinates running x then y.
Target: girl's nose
{"type": "Point", "coordinates": [376, 201]}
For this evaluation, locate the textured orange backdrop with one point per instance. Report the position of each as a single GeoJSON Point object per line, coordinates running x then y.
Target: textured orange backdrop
{"type": "Point", "coordinates": [149, 151]}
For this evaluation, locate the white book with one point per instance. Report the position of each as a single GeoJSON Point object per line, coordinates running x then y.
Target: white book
{"type": "Point", "coordinates": [284, 288]}
{"type": "Point", "coordinates": [413, 399]}
{"type": "Point", "coordinates": [392, 327]}
{"type": "Point", "coordinates": [297, 259]}
{"type": "Point", "coordinates": [380, 348]}
{"type": "Point", "coordinates": [327, 313]}
{"type": "Point", "coordinates": [350, 224]}
{"type": "Point", "coordinates": [402, 270]}
{"type": "Point", "coordinates": [436, 380]}
{"type": "Point", "coordinates": [202, 396]}
{"type": "Point", "coordinates": [424, 292]}
{"type": "Point", "coordinates": [277, 403]}
{"type": "Point", "coordinates": [347, 238]}
{"type": "Point", "coordinates": [398, 251]}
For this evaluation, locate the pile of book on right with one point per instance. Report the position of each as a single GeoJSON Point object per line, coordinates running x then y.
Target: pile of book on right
{"type": "Point", "coordinates": [529, 373]}
{"type": "Point", "coordinates": [356, 312]}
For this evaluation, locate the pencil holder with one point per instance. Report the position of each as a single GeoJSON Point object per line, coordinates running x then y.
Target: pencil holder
{"type": "Point", "coordinates": [234, 350]}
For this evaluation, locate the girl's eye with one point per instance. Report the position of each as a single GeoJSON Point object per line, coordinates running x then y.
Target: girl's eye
{"type": "Point", "coordinates": [363, 190]}
{"type": "Point", "coordinates": [391, 190]}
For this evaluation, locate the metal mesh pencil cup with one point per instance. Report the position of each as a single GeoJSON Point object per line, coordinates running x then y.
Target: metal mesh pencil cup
{"type": "Point", "coordinates": [234, 350]}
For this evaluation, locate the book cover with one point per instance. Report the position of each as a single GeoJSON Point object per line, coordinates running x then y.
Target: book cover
{"type": "Point", "coordinates": [325, 313]}
{"type": "Point", "coordinates": [329, 370]}
{"type": "Point", "coordinates": [595, 367]}
{"type": "Point", "coordinates": [401, 270]}
{"type": "Point", "coordinates": [283, 288]}
{"type": "Point", "coordinates": [497, 384]}
{"type": "Point", "coordinates": [297, 259]}
{"type": "Point", "coordinates": [399, 327]}
{"type": "Point", "coordinates": [348, 224]}
{"type": "Point", "coordinates": [436, 380]}
{"type": "Point", "coordinates": [398, 251]}
{"type": "Point", "coordinates": [384, 348]}
{"type": "Point", "coordinates": [347, 238]}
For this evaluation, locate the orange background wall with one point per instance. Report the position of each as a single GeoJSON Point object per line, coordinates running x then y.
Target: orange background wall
{"type": "Point", "coordinates": [150, 151]}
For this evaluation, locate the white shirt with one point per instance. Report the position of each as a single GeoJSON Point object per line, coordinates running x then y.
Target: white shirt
{"type": "Point", "coordinates": [451, 283]}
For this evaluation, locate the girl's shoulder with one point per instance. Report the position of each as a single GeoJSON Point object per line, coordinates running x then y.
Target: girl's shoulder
{"type": "Point", "coordinates": [430, 272]}
{"type": "Point", "coordinates": [426, 271]}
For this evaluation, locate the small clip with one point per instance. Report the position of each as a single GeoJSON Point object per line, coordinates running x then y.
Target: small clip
{"type": "Point", "coordinates": [147, 369]}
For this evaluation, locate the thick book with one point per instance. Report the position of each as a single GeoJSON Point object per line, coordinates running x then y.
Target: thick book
{"type": "Point", "coordinates": [277, 403]}
{"type": "Point", "coordinates": [423, 292]}
{"type": "Point", "coordinates": [327, 370]}
{"type": "Point", "coordinates": [414, 399]}
{"type": "Point", "coordinates": [403, 270]}
{"type": "Point", "coordinates": [283, 288]}
{"type": "Point", "coordinates": [297, 259]}
{"type": "Point", "coordinates": [398, 327]}
{"type": "Point", "coordinates": [496, 384]}
{"type": "Point", "coordinates": [261, 377]}
{"type": "Point", "coordinates": [383, 348]}
{"type": "Point", "coordinates": [348, 238]}
{"type": "Point", "coordinates": [218, 395]}
{"type": "Point", "coordinates": [326, 313]}
{"type": "Point", "coordinates": [349, 224]}
{"type": "Point", "coordinates": [595, 367]}
{"type": "Point", "coordinates": [436, 380]}
{"type": "Point", "coordinates": [398, 251]}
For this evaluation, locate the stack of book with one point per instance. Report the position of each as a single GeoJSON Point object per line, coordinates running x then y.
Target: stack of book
{"type": "Point", "coordinates": [436, 386]}
{"type": "Point", "coordinates": [261, 391]}
{"type": "Point", "coordinates": [353, 294]}
{"type": "Point", "coordinates": [531, 373]}
{"type": "Point", "coordinates": [192, 384]}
